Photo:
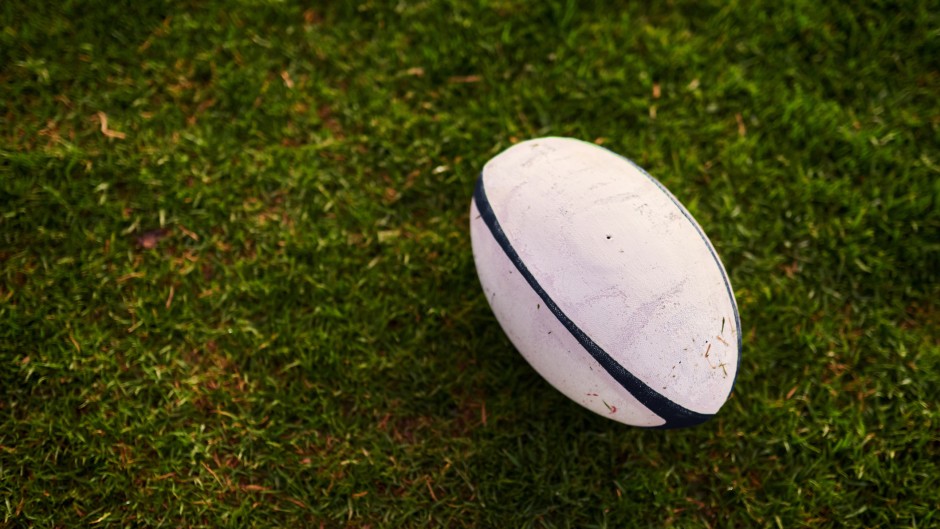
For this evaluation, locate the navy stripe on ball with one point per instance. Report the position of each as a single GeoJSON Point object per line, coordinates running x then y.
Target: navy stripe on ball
{"type": "Point", "coordinates": [676, 416]}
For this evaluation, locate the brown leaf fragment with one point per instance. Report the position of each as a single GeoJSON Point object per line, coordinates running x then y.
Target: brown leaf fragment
{"type": "Point", "coordinates": [742, 130]}
{"type": "Point", "coordinates": [169, 298]}
{"type": "Point", "coordinates": [103, 119]}
{"type": "Point", "coordinates": [311, 17]}
{"type": "Point", "coordinates": [75, 343]}
{"type": "Point", "coordinates": [462, 79]}
{"type": "Point", "coordinates": [188, 233]}
{"type": "Point", "coordinates": [297, 502]}
{"type": "Point", "coordinates": [132, 275]}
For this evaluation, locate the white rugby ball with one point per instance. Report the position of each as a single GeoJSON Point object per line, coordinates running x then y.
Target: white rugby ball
{"type": "Point", "coordinates": [605, 283]}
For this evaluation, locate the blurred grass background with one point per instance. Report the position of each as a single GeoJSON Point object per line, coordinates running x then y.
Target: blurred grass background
{"type": "Point", "coordinates": [236, 287]}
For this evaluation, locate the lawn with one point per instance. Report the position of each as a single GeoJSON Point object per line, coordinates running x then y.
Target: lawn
{"type": "Point", "coordinates": [236, 286]}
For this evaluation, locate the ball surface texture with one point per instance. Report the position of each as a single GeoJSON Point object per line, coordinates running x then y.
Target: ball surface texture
{"type": "Point", "coordinates": [605, 283]}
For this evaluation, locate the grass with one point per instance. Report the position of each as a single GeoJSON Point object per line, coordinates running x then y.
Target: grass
{"type": "Point", "coordinates": [249, 299]}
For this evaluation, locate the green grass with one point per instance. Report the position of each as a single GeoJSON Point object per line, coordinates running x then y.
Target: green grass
{"type": "Point", "coordinates": [259, 306]}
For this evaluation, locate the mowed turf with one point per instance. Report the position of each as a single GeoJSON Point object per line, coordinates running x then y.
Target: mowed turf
{"type": "Point", "coordinates": [236, 286]}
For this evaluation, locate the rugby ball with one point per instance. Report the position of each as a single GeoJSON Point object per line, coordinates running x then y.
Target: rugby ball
{"type": "Point", "coordinates": [605, 283]}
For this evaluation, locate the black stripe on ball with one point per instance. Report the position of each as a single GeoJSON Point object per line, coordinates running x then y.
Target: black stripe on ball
{"type": "Point", "coordinates": [676, 416]}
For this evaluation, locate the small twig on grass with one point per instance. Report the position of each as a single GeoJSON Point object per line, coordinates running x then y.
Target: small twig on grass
{"type": "Point", "coordinates": [427, 481]}
{"type": "Point", "coordinates": [214, 475]}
